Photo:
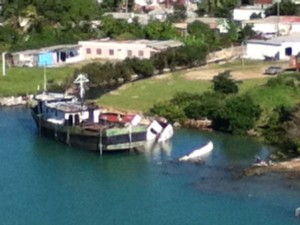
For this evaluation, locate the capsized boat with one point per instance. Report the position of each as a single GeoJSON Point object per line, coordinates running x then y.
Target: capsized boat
{"type": "Point", "coordinates": [198, 153]}
{"type": "Point", "coordinates": [66, 119]}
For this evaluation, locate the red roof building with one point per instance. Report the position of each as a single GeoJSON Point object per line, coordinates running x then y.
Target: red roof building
{"type": "Point", "coordinates": [263, 2]}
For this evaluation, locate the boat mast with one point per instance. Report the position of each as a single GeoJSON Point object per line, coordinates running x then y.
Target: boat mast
{"type": "Point", "coordinates": [81, 79]}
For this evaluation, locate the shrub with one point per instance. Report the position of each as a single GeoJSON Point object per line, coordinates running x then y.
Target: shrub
{"type": "Point", "coordinates": [206, 107]}
{"type": "Point", "coordinates": [224, 84]}
{"type": "Point", "coordinates": [171, 112]}
{"type": "Point", "coordinates": [238, 115]}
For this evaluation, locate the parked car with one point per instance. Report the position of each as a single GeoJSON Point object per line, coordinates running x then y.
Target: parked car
{"type": "Point", "coordinates": [273, 70]}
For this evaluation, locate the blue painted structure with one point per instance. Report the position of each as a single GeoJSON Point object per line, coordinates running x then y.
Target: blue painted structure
{"type": "Point", "coordinates": [45, 59]}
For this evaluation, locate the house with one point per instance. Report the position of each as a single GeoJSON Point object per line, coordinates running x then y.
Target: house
{"type": "Point", "coordinates": [49, 56]}
{"type": "Point", "coordinates": [280, 48]}
{"type": "Point", "coordinates": [219, 24]}
{"type": "Point", "coordinates": [283, 24]}
{"type": "Point", "coordinates": [119, 50]}
{"type": "Point", "coordinates": [245, 12]}
{"type": "Point", "coordinates": [263, 3]}
{"type": "Point", "coordinates": [142, 18]}
{"type": "Point", "coordinates": [149, 5]}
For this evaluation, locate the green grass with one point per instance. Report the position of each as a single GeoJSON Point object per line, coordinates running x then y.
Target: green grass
{"type": "Point", "coordinates": [251, 84]}
{"type": "Point", "coordinates": [21, 81]}
{"type": "Point", "coordinates": [141, 95]}
{"type": "Point", "coordinates": [271, 97]}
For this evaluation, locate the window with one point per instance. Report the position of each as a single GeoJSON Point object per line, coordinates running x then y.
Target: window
{"type": "Point", "coordinates": [111, 52]}
{"type": "Point", "coordinates": [152, 53]}
{"type": "Point", "coordinates": [99, 51]}
{"type": "Point", "coordinates": [141, 53]}
{"type": "Point", "coordinates": [88, 51]}
{"type": "Point", "coordinates": [129, 53]}
{"type": "Point", "coordinates": [288, 51]}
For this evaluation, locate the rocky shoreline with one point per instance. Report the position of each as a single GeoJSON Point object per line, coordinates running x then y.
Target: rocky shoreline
{"type": "Point", "coordinates": [291, 167]}
{"type": "Point", "coordinates": [15, 101]}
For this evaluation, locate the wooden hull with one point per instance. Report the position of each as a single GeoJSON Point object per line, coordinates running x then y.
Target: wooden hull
{"type": "Point", "coordinates": [105, 139]}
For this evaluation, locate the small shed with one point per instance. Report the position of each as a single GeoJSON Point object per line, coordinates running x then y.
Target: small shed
{"type": "Point", "coordinates": [48, 56]}
{"type": "Point", "coordinates": [279, 48]}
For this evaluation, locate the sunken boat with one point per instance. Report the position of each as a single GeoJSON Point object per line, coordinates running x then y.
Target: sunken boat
{"type": "Point", "coordinates": [64, 118]}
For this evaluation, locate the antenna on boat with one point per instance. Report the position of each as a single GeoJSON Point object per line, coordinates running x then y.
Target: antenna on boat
{"type": "Point", "coordinates": [45, 79]}
{"type": "Point", "coordinates": [81, 79]}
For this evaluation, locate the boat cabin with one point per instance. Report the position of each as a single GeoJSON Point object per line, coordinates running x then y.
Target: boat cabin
{"type": "Point", "coordinates": [65, 109]}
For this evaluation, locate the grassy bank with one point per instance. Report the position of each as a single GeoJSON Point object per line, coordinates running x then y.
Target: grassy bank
{"type": "Point", "coordinates": [22, 81]}
{"type": "Point", "coordinates": [142, 94]}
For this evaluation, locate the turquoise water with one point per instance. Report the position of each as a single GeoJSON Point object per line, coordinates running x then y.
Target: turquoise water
{"type": "Point", "coordinates": [44, 182]}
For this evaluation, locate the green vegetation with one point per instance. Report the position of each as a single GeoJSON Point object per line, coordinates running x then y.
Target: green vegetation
{"type": "Point", "coordinates": [141, 95]}
{"type": "Point", "coordinates": [22, 81]}
{"type": "Point", "coordinates": [223, 83]}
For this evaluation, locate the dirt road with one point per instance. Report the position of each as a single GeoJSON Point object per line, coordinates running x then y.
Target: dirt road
{"type": "Point", "coordinates": [238, 72]}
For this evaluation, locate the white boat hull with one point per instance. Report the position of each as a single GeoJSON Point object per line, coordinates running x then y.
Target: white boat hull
{"type": "Point", "coordinates": [198, 153]}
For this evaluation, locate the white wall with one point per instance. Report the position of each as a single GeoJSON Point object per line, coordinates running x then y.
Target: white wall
{"type": "Point", "coordinates": [120, 49]}
{"type": "Point", "coordinates": [284, 28]}
{"type": "Point", "coordinates": [257, 51]}
{"type": "Point", "coordinates": [244, 14]}
{"type": "Point", "coordinates": [265, 27]}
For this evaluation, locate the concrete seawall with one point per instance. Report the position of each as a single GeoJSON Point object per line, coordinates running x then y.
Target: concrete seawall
{"type": "Point", "coordinates": [14, 101]}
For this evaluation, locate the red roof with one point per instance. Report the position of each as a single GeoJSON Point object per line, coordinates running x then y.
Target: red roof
{"type": "Point", "coordinates": [289, 19]}
{"type": "Point", "coordinates": [263, 1]}
{"type": "Point", "coordinates": [116, 117]}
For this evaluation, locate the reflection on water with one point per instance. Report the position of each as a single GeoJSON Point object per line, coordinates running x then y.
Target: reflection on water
{"type": "Point", "coordinates": [158, 150]}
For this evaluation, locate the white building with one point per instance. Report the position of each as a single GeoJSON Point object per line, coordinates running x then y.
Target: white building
{"type": "Point", "coordinates": [284, 24]}
{"type": "Point", "coordinates": [119, 50]}
{"type": "Point", "coordinates": [244, 13]}
{"type": "Point", "coordinates": [281, 47]}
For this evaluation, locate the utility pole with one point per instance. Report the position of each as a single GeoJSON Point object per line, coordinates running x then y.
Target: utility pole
{"type": "Point", "coordinates": [3, 63]}
{"type": "Point", "coordinates": [278, 17]}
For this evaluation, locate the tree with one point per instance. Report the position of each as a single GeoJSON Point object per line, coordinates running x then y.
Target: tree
{"type": "Point", "coordinates": [159, 61]}
{"type": "Point", "coordinates": [171, 112]}
{"type": "Point", "coordinates": [232, 32]}
{"type": "Point", "coordinates": [286, 8]}
{"type": "Point", "coordinates": [246, 33]}
{"type": "Point", "coordinates": [191, 56]}
{"type": "Point", "coordinates": [202, 33]}
{"type": "Point", "coordinates": [224, 84]}
{"type": "Point", "coordinates": [157, 30]}
{"type": "Point", "coordinates": [207, 106]}
{"type": "Point", "coordinates": [179, 13]}
{"type": "Point", "coordinates": [237, 116]}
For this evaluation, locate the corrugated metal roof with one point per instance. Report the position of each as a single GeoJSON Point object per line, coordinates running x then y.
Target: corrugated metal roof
{"type": "Point", "coordinates": [150, 43]}
{"type": "Point", "coordinates": [295, 37]}
{"type": "Point", "coordinates": [161, 45]}
{"type": "Point", "coordinates": [275, 19]}
{"type": "Point", "coordinates": [47, 49]}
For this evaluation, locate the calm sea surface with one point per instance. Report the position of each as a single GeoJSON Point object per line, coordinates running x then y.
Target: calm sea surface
{"type": "Point", "coordinates": [43, 182]}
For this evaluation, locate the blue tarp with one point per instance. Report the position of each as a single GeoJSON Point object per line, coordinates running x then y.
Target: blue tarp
{"type": "Point", "coordinates": [45, 59]}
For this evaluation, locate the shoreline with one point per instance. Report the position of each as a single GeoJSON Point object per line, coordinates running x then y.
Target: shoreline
{"type": "Point", "coordinates": [290, 167]}
{"type": "Point", "coordinates": [15, 100]}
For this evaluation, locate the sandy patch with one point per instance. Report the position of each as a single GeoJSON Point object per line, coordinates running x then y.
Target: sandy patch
{"type": "Point", "coordinates": [242, 74]}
